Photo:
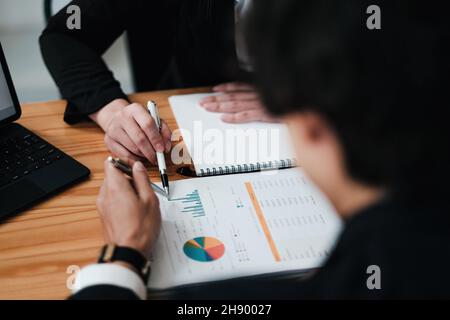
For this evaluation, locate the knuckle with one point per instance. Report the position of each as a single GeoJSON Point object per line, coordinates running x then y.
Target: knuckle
{"type": "Point", "coordinates": [232, 118]}
{"type": "Point", "coordinates": [155, 137]}
{"type": "Point", "coordinates": [148, 124]}
{"type": "Point", "coordinates": [123, 112]}
{"type": "Point", "coordinates": [128, 112]}
{"type": "Point", "coordinates": [140, 138]}
{"type": "Point", "coordinates": [243, 115]}
{"type": "Point", "coordinates": [111, 125]}
{"type": "Point", "coordinates": [125, 153]}
{"type": "Point", "coordinates": [134, 150]}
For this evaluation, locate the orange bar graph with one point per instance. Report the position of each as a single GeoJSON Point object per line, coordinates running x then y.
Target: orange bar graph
{"type": "Point", "coordinates": [262, 221]}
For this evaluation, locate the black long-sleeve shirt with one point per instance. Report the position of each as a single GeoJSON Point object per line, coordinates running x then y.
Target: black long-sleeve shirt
{"type": "Point", "coordinates": [410, 245]}
{"type": "Point", "coordinates": [174, 43]}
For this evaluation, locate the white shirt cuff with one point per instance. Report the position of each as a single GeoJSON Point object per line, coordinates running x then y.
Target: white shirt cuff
{"type": "Point", "coordinates": [110, 274]}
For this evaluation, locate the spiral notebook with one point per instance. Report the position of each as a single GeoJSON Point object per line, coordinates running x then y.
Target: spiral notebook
{"type": "Point", "coordinates": [218, 148]}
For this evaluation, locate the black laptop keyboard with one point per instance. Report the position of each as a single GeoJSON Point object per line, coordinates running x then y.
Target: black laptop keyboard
{"type": "Point", "coordinates": [23, 154]}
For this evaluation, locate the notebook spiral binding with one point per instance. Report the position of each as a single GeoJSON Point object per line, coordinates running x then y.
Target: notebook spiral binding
{"type": "Point", "coordinates": [245, 168]}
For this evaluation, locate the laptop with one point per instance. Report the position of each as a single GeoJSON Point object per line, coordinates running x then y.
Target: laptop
{"type": "Point", "coordinates": [31, 169]}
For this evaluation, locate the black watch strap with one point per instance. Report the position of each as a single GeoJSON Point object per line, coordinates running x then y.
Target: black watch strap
{"type": "Point", "coordinates": [112, 253]}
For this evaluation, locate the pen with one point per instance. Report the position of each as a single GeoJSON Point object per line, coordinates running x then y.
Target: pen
{"type": "Point", "coordinates": [125, 168]}
{"type": "Point", "coordinates": [153, 109]}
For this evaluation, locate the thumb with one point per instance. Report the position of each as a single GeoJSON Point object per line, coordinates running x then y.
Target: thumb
{"type": "Point", "coordinates": [142, 182]}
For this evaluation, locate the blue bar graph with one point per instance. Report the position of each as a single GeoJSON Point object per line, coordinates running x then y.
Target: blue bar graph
{"type": "Point", "coordinates": [193, 204]}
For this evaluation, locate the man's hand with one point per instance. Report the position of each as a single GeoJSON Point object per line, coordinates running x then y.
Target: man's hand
{"type": "Point", "coordinates": [131, 133]}
{"type": "Point", "coordinates": [239, 103]}
{"type": "Point", "coordinates": [129, 210]}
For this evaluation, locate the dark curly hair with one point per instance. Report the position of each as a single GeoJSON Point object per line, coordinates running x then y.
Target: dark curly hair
{"type": "Point", "coordinates": [385, 91]}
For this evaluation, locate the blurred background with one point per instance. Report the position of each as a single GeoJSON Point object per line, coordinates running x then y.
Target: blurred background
{"type": "Point", "coordinates": [21, 23]}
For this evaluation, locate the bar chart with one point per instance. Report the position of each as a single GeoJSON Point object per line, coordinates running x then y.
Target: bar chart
{"type": "Point", "coordinates": [192, 203]}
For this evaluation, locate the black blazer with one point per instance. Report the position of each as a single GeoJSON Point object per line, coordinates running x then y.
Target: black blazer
{"type": "Point", "coordinates": [174, 44]}
{"type": "Point", "coordinates": [410, 245]}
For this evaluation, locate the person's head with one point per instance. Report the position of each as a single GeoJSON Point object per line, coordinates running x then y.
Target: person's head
{"type": "Point", "coordinates": [366, 108]}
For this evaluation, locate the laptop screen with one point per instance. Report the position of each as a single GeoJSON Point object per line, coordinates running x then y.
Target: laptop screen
{"type": "Point", "coordinates": [6, 102]}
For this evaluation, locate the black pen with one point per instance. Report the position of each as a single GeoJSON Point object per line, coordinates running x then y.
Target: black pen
{"type": "Point", "coordinates": [125, 168]}
{"type": "Point", "coordinates": [153, 109]}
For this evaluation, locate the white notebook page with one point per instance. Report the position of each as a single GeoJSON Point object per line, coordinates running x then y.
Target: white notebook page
{"type": "Point", "coordinates": [214, 144]}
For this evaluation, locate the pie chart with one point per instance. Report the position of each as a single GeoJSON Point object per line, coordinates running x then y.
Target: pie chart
{"type": "Point", "coordinates": [204, 249]}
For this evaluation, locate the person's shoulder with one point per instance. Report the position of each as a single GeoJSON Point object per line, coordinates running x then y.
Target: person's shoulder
{"type": "Point", "coordinates": [411, 246]}
{"type": "Point", "coordinates": [406, 223]}
{"type": "Point", "coordinates": [410, 226]}
{"type": "Point", "coordinates": [406, 245]}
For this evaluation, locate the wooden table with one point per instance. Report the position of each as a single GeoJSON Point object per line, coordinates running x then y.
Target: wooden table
{"type": "Point", "coordinates": [38, 246]}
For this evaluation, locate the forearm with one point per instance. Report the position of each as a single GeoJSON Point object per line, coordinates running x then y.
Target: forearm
{"type": "Point", "coordinates": [80, 74]}
{"type": "Point", "coordinates": [74, 57]}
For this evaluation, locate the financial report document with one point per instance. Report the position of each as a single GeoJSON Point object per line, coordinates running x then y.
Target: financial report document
{"type": "Point", "coordinates": [233, 226]}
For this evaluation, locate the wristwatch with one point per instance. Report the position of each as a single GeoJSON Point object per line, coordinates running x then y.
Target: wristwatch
{"type": "Point", "coordinates": [112, 253]}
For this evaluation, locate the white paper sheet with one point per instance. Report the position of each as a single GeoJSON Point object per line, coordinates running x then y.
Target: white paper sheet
{"type": "Point", "coordinates": [214, 144]}
{"type": "Point", "coordinates": [254, 223]}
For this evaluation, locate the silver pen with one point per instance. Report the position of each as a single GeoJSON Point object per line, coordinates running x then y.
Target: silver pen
{"type": "Point", "coordinates": [125, 168]}
{"type": "Point", "coordinates": [153, 109]}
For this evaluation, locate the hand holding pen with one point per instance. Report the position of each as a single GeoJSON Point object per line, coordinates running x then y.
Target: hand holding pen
{"type": "Point", "coordinates": [130, 133]}
{"type": "Point", "coordinates": [130, 213]}
{"type": "Point", "coordinates": [153, 109]}
{"type": "Point", "coordinates": [126, 169]}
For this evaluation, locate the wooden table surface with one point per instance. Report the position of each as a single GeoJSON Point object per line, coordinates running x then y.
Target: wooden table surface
{"type": "Point", "coordinates": [38, 246]}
